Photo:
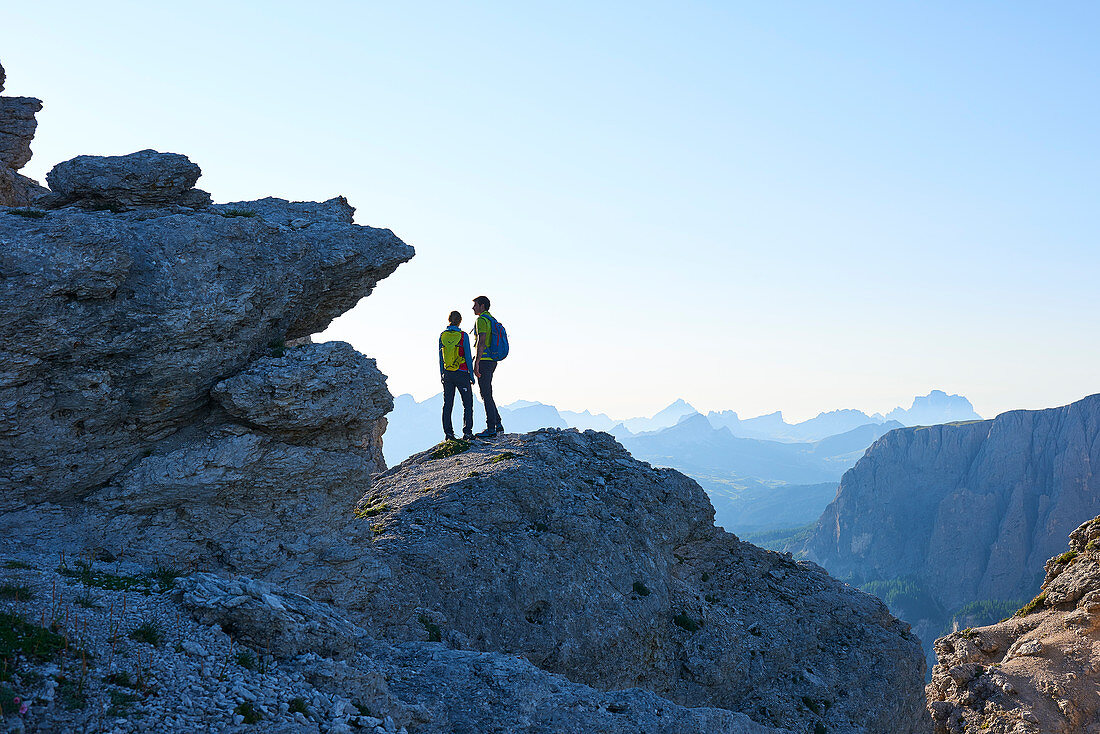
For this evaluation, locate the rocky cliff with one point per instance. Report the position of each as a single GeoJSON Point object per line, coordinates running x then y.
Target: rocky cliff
{"type": "Point", "coordinates": [964, 511]}
{"type": "Point", "coordinates": [1036, 672]}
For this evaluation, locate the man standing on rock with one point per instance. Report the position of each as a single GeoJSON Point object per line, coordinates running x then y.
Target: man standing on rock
{"type": "Point", "coordinates": [454, 372]}
{"type": "Point", "coordinates": [485, 365]}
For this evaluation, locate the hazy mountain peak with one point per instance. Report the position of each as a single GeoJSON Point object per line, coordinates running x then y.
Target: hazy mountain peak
{"type": "Point", "coordinates": [934, 408]}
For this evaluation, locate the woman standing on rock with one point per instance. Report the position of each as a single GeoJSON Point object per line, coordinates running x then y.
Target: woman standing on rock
{"type": "Point", "coordinates": [455, 374]}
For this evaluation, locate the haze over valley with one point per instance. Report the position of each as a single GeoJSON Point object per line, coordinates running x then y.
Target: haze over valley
{"type": "Point", "coordinates": [761, 473]}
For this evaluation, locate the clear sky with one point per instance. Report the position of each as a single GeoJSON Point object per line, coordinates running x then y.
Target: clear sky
{"type": "Point", "coordinates": [755, 206]}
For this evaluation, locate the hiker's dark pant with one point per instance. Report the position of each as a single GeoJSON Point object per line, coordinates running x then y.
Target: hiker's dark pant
{"type": "Point", "coordinates": [458, 380]}
{"type": "Point", "coordinates": [485, 384]}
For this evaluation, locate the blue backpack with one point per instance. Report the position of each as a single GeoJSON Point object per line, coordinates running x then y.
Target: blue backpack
{"type": "Point", "coordinates": [497, 348]}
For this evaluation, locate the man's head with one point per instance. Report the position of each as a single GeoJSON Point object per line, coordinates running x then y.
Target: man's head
{"type": "Point", "coordinates": [481, 305]}
{"type": "Point", "coordinates": [455, 318]}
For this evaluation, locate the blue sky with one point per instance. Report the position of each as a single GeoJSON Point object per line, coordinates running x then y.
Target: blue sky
{"type": "Point", "coordinates": [756, 206]}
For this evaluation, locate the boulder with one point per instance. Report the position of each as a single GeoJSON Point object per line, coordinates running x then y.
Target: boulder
{"type": "Point", "coordinates": [144, 178]}
{"type": "Point", "coordinates": [318, 394]}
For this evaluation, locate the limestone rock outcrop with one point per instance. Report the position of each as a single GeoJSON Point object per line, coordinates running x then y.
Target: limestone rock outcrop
{"type": "Point", "coordinates": [17, 126]}
{"type": "Point", "coordinates": [144, 178]}
{"type": "Point", "coordinates": [561, 547]}
{"type": "Point", "coordinates": [1037, 672]}
{"type": "Point", "coordinates": [115, 326]}
{"type": "Point", "coordinates": [967, 511]}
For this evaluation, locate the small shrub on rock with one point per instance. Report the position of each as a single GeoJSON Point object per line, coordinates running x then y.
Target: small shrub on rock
{"type": "Point", "coordinates": [1035, 604]}
{"type": "Point", "coordinates": [297, 705]}
{"type": "Point", "coordinates": [434, 633]}
{"type": "Point", "coordinates": [683, 621]}
{"type": "Point", "coordinates": [371, 511]}
{"type": "Point", "coordinates": [12, 592]}
{"type": "Point", "coordinates": [641, 589]}
{"type": "Point", "coordinates": [248, 711]}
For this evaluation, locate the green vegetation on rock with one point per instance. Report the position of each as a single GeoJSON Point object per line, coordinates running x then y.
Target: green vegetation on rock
{"type": "Point", "coordinates": [1035, 604]}
{"type": "Point", "coordinates": [450, 447]}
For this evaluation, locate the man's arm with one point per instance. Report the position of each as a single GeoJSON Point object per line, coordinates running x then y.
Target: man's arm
{"type": "Point", "coordinates": [480, 351]}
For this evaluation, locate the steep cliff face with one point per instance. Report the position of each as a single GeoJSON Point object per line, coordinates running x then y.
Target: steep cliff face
{"type": "Point", "coordinates": [969, 510]}
{"type": "Point", "coordinates": [1037, 671]}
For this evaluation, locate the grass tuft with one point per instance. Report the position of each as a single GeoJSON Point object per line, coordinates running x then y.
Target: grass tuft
{"type": "Point", "coordinates": [165, 577]}
{"type": "Point", "coordinates": [502, 457]}
{"type": "Point", "coordinates": [246, 660]}
{"type": "Point", "coordinates": [120, 703]}
{"type": "Point", "coordinates": [17, 565]}
{"type": "Point", "coordinates": [248, 711]}
{"type": "Point", "coordinates": [21, 638]}
{"type": "Point", "coordinates": [297, 705]}
{"type": "Point", "coordinates": [71, 693]}
{"type": "Point", "coordinates": [237, 212]}
{"type": "Point", "coordinates": [450, 447]}
{"type": "Point", "coordinates": [371, 511]}
{"type": "Point", "coordinates": [148, 632]}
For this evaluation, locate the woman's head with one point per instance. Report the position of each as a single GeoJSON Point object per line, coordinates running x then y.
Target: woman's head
{"type": "Point", "coordinates": [455, 318]}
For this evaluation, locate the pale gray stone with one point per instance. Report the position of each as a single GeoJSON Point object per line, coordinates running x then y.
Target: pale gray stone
{"type": "Point", "coordinates": [118, 326]}
{"type": "Point", "coordinates": [144, 178]}
{"type": "Point", "coordinates": [317, 394]}
{"type": "Point", "coordinates": [271, 620]}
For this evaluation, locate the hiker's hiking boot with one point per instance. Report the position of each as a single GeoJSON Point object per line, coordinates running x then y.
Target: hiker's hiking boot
{"type": "Point", "coordinates": [467, 436]}
{"type": "Point", "coordinates": [487, 433]}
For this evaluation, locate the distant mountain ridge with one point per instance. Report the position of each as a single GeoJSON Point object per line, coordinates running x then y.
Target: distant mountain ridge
{"type": "Point", "coordinates": [413, 426]}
